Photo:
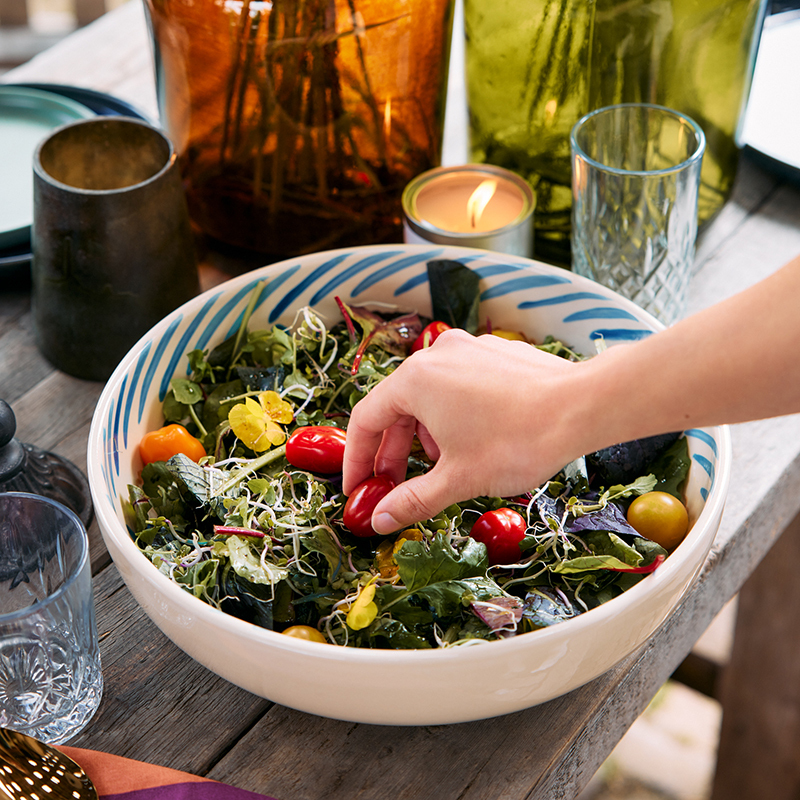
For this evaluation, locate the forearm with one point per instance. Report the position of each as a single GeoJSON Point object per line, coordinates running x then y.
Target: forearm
{"type": "Point", "coordinates": [501, 417]}
{"type": "Point", "coordinates": [733, 362]}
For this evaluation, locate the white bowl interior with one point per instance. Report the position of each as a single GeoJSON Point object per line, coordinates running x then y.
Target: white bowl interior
{"type": "Point", "coordinates": [517, 294]}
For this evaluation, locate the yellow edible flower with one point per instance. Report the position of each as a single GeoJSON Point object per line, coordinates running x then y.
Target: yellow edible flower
{"type": "Point", "coordinates": [384, 552]}
{"type": "Point", "coordinates": [258, 424]}
{"type": "Point", "coordinates": [363, 610]}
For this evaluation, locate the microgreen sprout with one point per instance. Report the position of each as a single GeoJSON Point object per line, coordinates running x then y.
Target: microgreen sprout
{"type": "Point", "coordinates": [244, 531]}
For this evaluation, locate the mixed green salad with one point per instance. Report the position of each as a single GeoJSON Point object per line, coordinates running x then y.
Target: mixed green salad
{"type": "Point", "coordinates": [243, 529]}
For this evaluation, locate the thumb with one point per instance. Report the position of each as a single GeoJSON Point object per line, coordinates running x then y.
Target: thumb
{"type": "Point", "coordinates": [415, 500]}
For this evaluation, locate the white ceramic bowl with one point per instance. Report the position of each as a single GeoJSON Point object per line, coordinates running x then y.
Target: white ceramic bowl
{"type": "Point", "coordinates": [389, 686]}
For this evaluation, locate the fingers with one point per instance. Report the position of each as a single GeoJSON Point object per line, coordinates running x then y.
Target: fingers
{"type": "Point", "coordinates": [392, 456]}
{"type": "Point", "coordinates": [377, 425]}
{"type": "Point", "coordinates": [428, 444]}
{"type": "Point", "coordinates": [416, 500]}
{"type": "Point", "coordinates": [359, 458]}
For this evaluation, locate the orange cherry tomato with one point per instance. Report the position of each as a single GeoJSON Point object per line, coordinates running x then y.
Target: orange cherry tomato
{"type": "Point", "coordinates": [660, 517]}
{"type": "Point", "coordinates": [305, 632]}
{"type": "Point", "coordinates": [168, 441]}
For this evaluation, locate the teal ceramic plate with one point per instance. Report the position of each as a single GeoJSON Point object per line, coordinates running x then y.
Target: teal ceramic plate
{"type": "Point", "coordinates": [26, 117]}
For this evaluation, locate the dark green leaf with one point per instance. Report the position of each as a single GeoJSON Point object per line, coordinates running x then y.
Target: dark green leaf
{"type": "Point", "coordinates": [218, 403]}
{"type": "Point", "coordinates": [246, 600]}
{"type": "Point", "coordinates": [649, 550]}
{"type": "Point", "coordinates": [447, 598]}
{"type": "Point", "coordinates": [672, 467]}
{"type": "Point", "coordinates": [186, 391]}
{"type": "Point", "coordinates": [222, 354]}
{"type": "Point", "coordinates": [544, 607]}
{"type": "Point", "coordinates": [261, 379]}
{"type": "Point", "coordinates": [201, 370]}
{"type": "Point", "coordinates": [455, 294]}
{"type": "Point", "coordinates": [193, 476]}
{"type": "Point", "coordinates": [386, 632]}
{"type": "Point", "coordinates": [419, 566]}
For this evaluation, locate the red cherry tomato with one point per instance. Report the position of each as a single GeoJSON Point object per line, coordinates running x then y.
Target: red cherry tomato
{"type": "Point", "coordinates": [361, 503]}
{"type": "Point", "coordinates": [501, 531]}
{"type": "Point", "coordinates": [430, 333]}
{"type": "Point", "coordinates": [317, 448]}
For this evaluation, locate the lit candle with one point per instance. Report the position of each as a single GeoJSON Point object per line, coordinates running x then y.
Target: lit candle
{"type": "Point", "coordinates": [476, 205]}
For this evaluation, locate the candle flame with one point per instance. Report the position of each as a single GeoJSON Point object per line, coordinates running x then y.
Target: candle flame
{"type": "Point", "coordinates": [479, 199]}
{"type": "Point", "coordinates": [387, 119]}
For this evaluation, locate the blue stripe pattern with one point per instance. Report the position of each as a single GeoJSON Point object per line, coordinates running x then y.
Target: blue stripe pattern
{"type": "Point", "coordinates": [134, 384]}
{"type": "Point", "coordinates": [562, 298]}
{"type": "Point", "coordinates": [321, 271]}
{"type": "Point", "coordinates": [620, 334]}
{"type": "Point", "coordinates": [182, 346]}
{"type": "Point", "coordinates": [346, 274]}
{"type": "Point", "coordinates": [709, 440]}
{"type": "Point", "coordinates": [521, 284]}
{"type": "Point", "coordinates": [392, 269]}
{"type": "Point", "coordinates": [154, 364]}
{"type": "Point", "coordinates": [600, 313]}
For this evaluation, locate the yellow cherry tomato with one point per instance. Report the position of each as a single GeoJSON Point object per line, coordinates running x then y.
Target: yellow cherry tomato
{"type": "Point", "coordinates": [660, 517]}
{"type": "Point", "coordinates": [515, 336]}
{"type": "Point", "coordinates": [305, 632]}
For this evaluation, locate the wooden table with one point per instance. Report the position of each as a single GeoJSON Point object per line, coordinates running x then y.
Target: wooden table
{"type": "Point", "coordinates": [161, 707]}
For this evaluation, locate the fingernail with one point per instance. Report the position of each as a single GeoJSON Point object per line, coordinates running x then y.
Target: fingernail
{"type": "Point", "coordinates": [383, 522]}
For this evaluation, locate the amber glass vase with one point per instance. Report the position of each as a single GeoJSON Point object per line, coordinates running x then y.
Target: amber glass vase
{"type": "Point", "coordinates": [299, 122]}
{"type": "Point", "coordinates": [534, 67]}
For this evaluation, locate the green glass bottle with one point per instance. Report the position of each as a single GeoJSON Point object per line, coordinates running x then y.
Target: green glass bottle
{"type": "Point", "coordinates": [534, 67]}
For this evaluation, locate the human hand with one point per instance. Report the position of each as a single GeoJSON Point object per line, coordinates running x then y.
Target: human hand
{"type": "Point", "coordinates": [489, 411]}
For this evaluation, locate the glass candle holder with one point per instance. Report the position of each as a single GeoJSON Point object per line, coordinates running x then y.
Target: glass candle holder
{"type": "Point", "coordinates": [475, 205]}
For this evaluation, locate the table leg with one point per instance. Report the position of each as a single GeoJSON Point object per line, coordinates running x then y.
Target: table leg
{"type": "Point", "coordinates": [759, 750]}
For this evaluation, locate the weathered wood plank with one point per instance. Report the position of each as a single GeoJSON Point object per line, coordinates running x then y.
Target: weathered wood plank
{"type": "Point", "coordinates": [14, 304]}
{"type": "Point", "coordinates": [759, 750]}
{"type": "Point", "coordinates": [159, 705]}
{"type": "Point", "coordinates": [751, 188]}
{"type": "Point", "coordinates": [22, 366]}
{"type": "Point", "coordinates": [755, 247]}
{"type": "Point", "coordinates": [55, 408]}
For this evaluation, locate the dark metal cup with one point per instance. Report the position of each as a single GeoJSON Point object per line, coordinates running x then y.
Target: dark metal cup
{"type": "Point", "coordinates": [113, 251]}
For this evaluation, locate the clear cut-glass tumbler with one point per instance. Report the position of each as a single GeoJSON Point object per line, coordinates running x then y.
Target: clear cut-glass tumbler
{"type": "Point", "coordinates": [635, 180]}
{"type": "Point", "coordinates": [51, 681]}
